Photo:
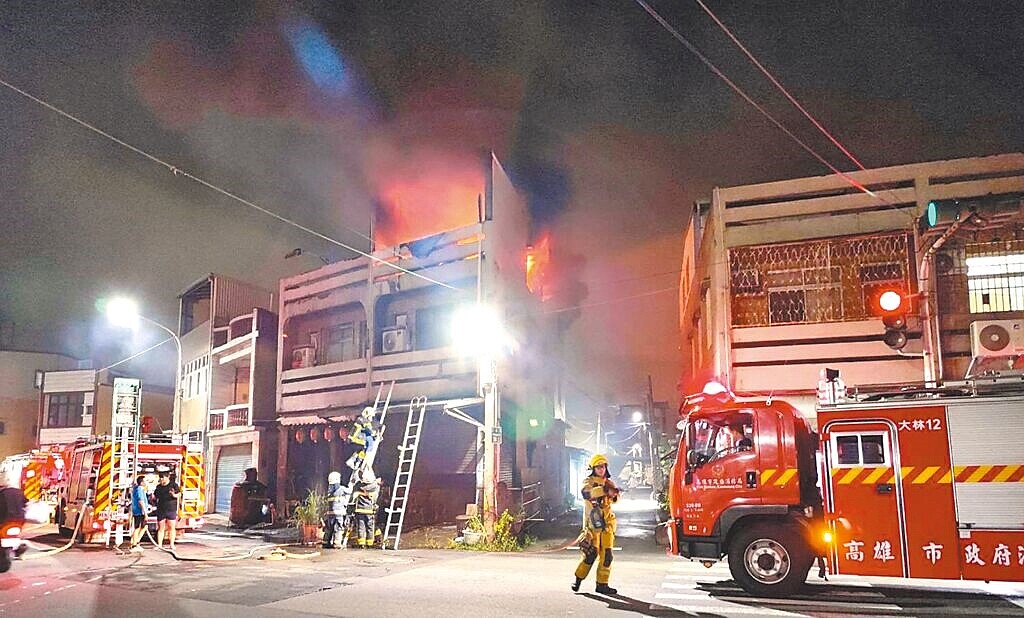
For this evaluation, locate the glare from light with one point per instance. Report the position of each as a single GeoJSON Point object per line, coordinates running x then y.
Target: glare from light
{"type": "Point", "coordinates": [638, 416]}
{"type": "Point", "coordinates": [534, 422]}
{"type": "Point", "coordinates": [714, 388]}
{"type": "Point", "coordinates": [122, 311]}
{"type": "Point", "coordinates": [827, 537]}
{"type": "Point", "coordinates": [477, 331]}
{"type": "Point", "coordinates": [890, 300]}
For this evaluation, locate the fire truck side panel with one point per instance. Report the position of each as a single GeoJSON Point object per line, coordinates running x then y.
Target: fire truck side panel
{"type": "Point", "coordinates": [986, 441]}
{"type": "Point", "coordinates": [865, 501]}
{"type": "Point", "coordinates": [992, 555]}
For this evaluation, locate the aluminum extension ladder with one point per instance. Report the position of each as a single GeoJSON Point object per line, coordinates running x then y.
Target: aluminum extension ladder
{"type": "Point", "coordinates": [403, 474]}
{"type": "Point", "coordinates": [366, 462]}
{"type": "Point", "coordinates": [123, 468]}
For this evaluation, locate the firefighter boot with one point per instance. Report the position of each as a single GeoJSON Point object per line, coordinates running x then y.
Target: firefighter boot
{"type": "Point", "coordinates": [576, 585]}
{"type": "Point", "coordinates": [605, 589]}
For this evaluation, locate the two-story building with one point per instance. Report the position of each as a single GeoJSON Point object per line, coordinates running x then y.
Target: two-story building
{"type": "Point", "coordinates": [78, 403]}
{"type": "Point", "coordinates": [350, 328]}
{"type": "Point", "coordinates": [778, 279]}
{"type": "Point", "coordinates": [20, 377]}
{"type": "Point", "coordinates": [228, 333]}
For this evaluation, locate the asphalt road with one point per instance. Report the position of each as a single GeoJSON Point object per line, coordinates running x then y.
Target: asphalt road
{"type": "Point", "coordinates": [98, 582]}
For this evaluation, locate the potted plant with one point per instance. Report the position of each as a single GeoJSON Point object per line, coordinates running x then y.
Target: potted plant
{"type": "Point", "coordinates": [474, 531]}
{"type": "Point", "coordinates": [308, 516]}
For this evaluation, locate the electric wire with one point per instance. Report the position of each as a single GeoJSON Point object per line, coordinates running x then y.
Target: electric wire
{"type": "Point", "coordinates": [136, 355]}
{"type": "Point", "coordinates": [714, 69]}
{"type": "Point", "coordinates": [781, 88]}
{"type": "Point", "coordinates": [176, 171]}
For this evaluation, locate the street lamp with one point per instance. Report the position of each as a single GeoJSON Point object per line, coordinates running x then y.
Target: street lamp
{"type": "Point", "coordinates": [478, 332]}
{"type": "Point", "coordinates": [125, 312]}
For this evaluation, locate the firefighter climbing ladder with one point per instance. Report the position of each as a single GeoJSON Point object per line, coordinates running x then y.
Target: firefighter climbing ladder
{"type": "Point", "coordinates": [403, 475]}
{"type": "Point", "coordinates": [367, 462]}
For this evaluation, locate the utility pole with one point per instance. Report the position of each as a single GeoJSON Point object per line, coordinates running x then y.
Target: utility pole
{"type": "Point", "coordinates": [492, 443]}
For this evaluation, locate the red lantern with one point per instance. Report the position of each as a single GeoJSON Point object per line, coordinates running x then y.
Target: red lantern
{"type": "Point", "coordinates": [342, 433]}
{"type": "Point", "coordinates": [314, 434]}
{"type": "Point", "coordinates": [300, 436]}
{"type": "Point", "coordinates": [328, 434]}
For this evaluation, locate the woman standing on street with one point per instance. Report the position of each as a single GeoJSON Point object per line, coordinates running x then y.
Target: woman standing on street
{"type": "Point", "coordinates": [166, 496]}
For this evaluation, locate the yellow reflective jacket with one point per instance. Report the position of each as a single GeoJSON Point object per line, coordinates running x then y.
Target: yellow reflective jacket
{"type": "Point", "coordinates": [600, 492]}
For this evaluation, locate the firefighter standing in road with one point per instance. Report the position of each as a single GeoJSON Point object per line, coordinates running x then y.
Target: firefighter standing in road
{"type": "Point", "coordinates": [366, 505]}
{"type": "Point", "coordinates": [337, 505]}
{"type": "Point", "coordinates": [598, 536]}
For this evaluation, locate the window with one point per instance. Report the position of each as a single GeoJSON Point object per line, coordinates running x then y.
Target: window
{"type": "Point", "coordinates": [341, 343]}
{"type": "Point", "coordinates": [711, 439]}
{"type": "Point", "coordinates": [804, 295]}
{"type": "Point", "coordinates": [995, 283]}
{"type": "Point", "coordinates": [194, 377]}
{"type": "Point", "coordinates": [433, 327]}
{"type": "Point", "coordinates": [860, 449]}
{"type": "Point", "coordinates": [65, 409]}
{"type": "Point", "coordinates": [3, 429]}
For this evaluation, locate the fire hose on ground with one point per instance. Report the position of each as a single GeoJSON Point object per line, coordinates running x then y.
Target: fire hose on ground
{"type": "Point", "coordinates": [71, 541]}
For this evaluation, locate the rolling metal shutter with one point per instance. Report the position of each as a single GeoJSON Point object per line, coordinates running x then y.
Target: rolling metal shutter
{"type": "Point", "coordinates": [231, 467]}
{"type": "Point", "coordinates": [987, 435]}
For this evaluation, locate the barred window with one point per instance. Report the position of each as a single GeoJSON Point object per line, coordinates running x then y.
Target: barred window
{"type": "Point", "coordinates": [995, 283]}
{"type": "Point", "coordinates": [828, 280]}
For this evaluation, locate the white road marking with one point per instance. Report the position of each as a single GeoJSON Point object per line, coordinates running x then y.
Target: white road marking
{"type": "Point", "coordinates": [705, 609]}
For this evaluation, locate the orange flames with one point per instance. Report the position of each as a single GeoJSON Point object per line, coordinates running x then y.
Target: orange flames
{"type": "Point", "coordinates": [538, 267]}
{"type": "Point", "coordinates": [412, 208]}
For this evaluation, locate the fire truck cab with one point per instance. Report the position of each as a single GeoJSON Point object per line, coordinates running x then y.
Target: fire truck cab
{"type": "Point", "coordinates": [920, 483]}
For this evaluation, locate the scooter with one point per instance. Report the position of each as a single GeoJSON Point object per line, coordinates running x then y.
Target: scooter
{"type": "Point", "coordinates": [10, 543]}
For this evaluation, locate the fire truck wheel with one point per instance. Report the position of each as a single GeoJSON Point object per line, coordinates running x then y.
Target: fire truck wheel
{"type": "Point", "coordinates": [769, 560]}
{"type": "Point", "coordinates": [5, 560]}
{"type": "Point", "coordinates": [60, 516]}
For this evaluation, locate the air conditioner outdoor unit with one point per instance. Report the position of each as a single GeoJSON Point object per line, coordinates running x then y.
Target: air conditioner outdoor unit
{"type": "Point", "coordinates": [997, 338]}
{"type": "Point", "coordinates": [394, 340]}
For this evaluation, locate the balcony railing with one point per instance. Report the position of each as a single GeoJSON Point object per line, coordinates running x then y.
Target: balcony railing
{"type": "Point", "coordinates": [232, 416]}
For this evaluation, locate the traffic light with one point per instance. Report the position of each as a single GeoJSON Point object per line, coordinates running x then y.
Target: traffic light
{"type": "Point", "coordinates": [892, 306]}
{"type": "Point", "coordinates": [942, 212]}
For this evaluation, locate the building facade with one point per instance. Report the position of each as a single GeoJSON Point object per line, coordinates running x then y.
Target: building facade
{"type": "Point", "coordinates": [78, 403]}
{"type": "Point", "coordinates": [779, 279]}
{"type": "Point", "coordinates": [228, 334]}
{"type": "Point", "coordinates": [20, 374]}
{"type": "Point", "coordinates": [351, 329]}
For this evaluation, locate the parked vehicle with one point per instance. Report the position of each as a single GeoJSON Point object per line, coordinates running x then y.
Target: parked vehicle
{"type": "Point", "coordinates": [919, 483]}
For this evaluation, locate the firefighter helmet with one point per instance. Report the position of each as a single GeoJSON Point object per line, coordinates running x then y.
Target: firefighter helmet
{"type": "Point", "coordinates": [334, 478]}
{"type": "Point", "coordinates": [597, 460]}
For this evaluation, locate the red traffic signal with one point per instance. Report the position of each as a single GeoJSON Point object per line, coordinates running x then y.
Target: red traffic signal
{"type": "Point", "coordinates": [892, 306]}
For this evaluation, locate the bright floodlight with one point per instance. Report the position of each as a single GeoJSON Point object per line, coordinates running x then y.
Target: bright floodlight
{"type": "Point", "coordinates": [638, 416]}
{"type": "Point", "coordinates": [477, 331]}
{"type": "Point", "coordinates": [122, 311]}
{"type": "Point", "coordinates": [890, 300]}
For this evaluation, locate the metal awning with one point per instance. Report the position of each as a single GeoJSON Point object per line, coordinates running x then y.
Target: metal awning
{"type": "Point", "coordinates": [304, 419]}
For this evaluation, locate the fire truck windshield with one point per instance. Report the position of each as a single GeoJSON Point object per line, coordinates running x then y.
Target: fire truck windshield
{"type": "Point", "coordinates": [710, 438]}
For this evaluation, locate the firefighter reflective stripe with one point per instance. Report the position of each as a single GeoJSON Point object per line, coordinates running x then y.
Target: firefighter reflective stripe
{"type": "Point", "coordinates": [780, 479]}
{"type": "Point", "coordinates": [101, 498]}
{"type": "Point", "coordinates": [928, 475]}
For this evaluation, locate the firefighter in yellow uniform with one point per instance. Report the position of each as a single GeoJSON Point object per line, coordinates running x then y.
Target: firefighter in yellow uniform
{"type": "Point", "coordinates": [598, 536]}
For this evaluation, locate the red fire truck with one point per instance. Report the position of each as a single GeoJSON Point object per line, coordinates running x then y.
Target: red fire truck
{"type": "Point", "coordinates": [919, 483]}
{"type": "Point", "coordinates": [92, 484]}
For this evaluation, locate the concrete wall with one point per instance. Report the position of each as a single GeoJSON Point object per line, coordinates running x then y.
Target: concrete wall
{"type": "Point", "coordinates": [786, 359]}
{"type": "Point", "coordinates": [19, 399]}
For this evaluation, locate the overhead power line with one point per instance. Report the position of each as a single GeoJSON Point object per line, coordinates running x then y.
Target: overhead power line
{"type": "Point", "coordinates": [778, 85]}
{"type": "Point", "coordinates": [186, 174]}
{"type": "Point", "coordinates": [714, 69]}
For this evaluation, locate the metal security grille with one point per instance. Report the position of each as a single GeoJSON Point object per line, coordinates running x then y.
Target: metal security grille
{"type": "Point", "coordinates": [829, 280]}
{"type": "Point", "coordinates": [981, 274]}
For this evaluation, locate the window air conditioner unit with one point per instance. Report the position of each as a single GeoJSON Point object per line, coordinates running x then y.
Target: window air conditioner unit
{"type": "Point", "coordinates": [395, 339]}
{"type": "Point", "coordinates": [997, 338]}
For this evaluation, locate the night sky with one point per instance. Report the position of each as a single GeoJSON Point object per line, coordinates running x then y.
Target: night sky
{"type": "Point", "coordinates": [327, 112]}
